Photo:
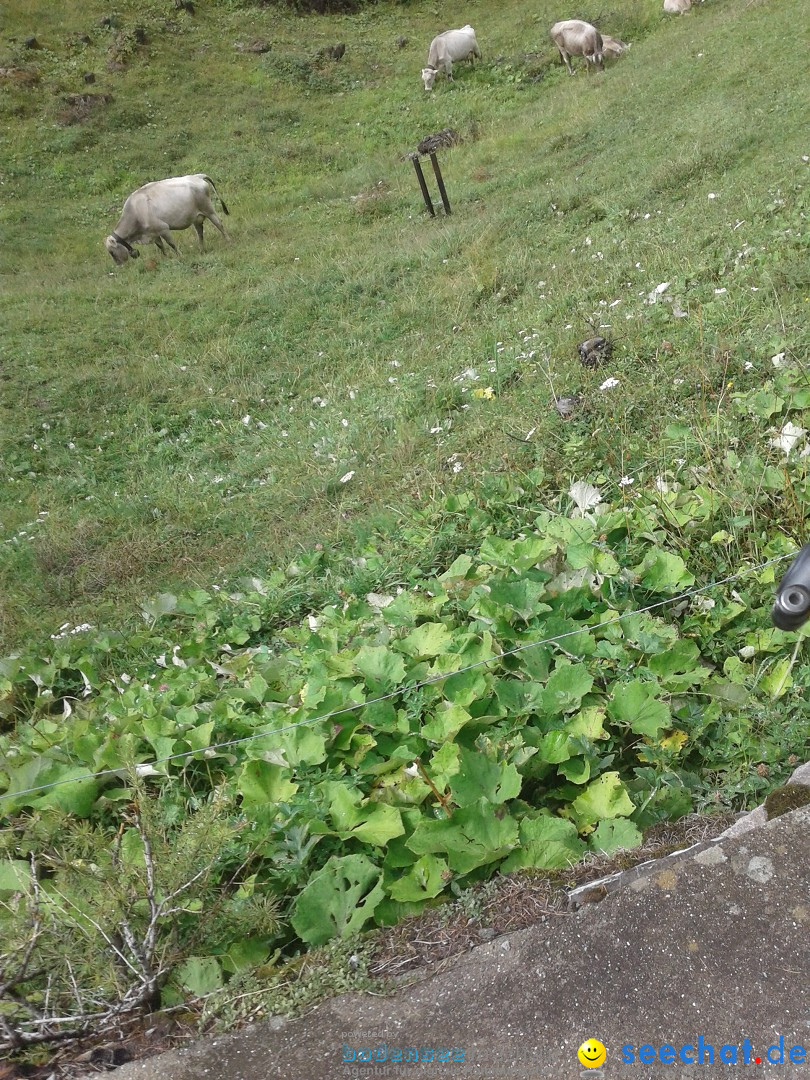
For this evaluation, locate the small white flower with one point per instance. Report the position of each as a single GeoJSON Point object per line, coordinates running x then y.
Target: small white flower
{"type": "Point", "coordinates": [347, 477]}
{"type": "Point", "coordinates": [661, 485]}
{"type": "Point", "coordinates": [778, 360]}
{"type": "Point", "coordinates": [747, 652]}
{"type": "Point", "coordinates": [678, 382]}
{"type": "Point", "coordinates": [457, 466]}
{"type": "Point", "coordinates": [411, 770]}
{"type": "Point", "coordinates": [313, 622]}
{"type": "Point", "coordinates": [394, 363]}
{"type": "Point", "coordinates": [608, 384]}
{"type": "Point", "coordinates": [719, 292]}
{"type": "Point", "coordinates": [747, 365]}
{"type": "Point", "coordinates": [344, 422]}
{"type": "Point", "coordinates": [712, 195]}
{"type": "Point", "coordinates": [246, 420]}
{"type": "Point", "coordinates": [626, 481]}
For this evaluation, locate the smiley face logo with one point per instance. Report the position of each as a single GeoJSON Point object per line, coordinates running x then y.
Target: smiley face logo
{"type": "Point", "coordinates": [592, 1054]}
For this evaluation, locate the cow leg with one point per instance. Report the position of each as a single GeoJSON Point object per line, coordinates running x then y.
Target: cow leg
{"type": "Point", "coordinates": [160, 246]}
{"type": "Point", "coordinates": [198, 228]}
{"type": "Point", "coordinates": [565, 59]}
{"type": "Point", "coordinates": [212, 217]}
{"type": "Point", "coordinates": [166, 235]}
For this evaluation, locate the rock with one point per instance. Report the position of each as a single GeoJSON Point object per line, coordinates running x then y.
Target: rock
{"type": "Point", "coordinates": [31, 43]}
{"type": "Point", "coordinates": [332, 52]}
{"type": "Point", "coordinates": [567, 406]}
{"type": "Point", "coordinates": [257, 46]}
{"type": "Point", "coordinates": [801, 775]}
{"type": "Point", "coordinates": [595, 351]}
{"type": "Point", "coordinates": [89, 77]}
{"type": "Point", "coordinates": [440, 141]}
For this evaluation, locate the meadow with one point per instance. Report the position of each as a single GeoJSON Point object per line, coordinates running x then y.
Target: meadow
{"type": "Point", "coordinates": [311, 474]}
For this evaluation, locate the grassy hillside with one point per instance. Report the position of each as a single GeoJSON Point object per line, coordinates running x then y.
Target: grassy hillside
{"type": "Point", "coordinates": [340, 317]}
{"type": "Point", "coordinates": [409, 627]}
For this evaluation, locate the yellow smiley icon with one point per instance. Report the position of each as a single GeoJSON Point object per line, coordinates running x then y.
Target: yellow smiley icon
{"type": "Point", "coordinates": [592, 1054]}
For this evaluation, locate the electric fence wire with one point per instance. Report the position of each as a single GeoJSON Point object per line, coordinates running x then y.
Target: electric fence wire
{"type": "Point", "coordinates": [141, 767]}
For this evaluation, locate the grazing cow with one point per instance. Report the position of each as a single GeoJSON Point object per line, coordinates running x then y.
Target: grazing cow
{"type": "Point", "coordinates": [447, 47]}
{"type": "Point", "coordinates": [573, 37]}
{"type": "Point", "coordinates": [154, 209]}
{"type": "Point", "coordinates": [677, 7]}
{"type": "Point", "coordinates": [613, 47]}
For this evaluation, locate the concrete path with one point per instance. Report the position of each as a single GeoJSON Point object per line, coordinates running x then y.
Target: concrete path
{"type": "Point", "coordinates": [711, 949]}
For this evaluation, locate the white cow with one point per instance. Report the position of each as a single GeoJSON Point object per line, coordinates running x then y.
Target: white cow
{"type": "Point", "coordinates": [573, 37]}
{"type": "Point", "coordinates": [447, 47]}
{"type": "Point", "coordinates": [154, 209]}
{"type": "Point", "coordinates": [677, 7]}
{"type": "Point", "coordinates": [613, 47]}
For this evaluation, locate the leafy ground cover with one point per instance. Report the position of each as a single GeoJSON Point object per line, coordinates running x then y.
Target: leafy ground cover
{"type": "Point", "coordinates": [397, 642]}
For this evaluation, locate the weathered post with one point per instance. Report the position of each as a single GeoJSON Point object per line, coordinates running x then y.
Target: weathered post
{"type": "Point", "coordinates": [440, 182]}
{"type": "Point", "coordinates": [420, 176]}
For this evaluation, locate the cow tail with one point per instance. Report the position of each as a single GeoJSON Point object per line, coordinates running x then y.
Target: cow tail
{"type": "Point", "coordinates": [208, 180]}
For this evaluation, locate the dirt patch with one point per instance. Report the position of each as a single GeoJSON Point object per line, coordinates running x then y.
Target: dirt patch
{"type": "Point", "coordinates": [80, 107]}
{"type": "Point", "coordinates": [17, 76]}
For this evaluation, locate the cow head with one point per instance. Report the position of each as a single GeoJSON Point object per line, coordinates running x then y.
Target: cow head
{"type": "Point", "coordinates": [120, 251]}
{"type": "Point", "coordinates": [429, 77]}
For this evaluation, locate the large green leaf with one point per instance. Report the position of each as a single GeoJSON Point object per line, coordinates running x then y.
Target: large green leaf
{"type": "Point", "coordinates": [339, 900]}
{"type": "Point", "coordinates": [200, 975]}
{"type": "Point", "coordinates": [567, 685]}
{"type": "Point", "coordinates": [381, 667]}
{"type": "Point", "coordinates": [15, 875]}
{"type": "Point", "coordinates": [425, 879]}
{"type": "Point", "coordinates": [517, 554]}
{"type": "Point", "coordinates": [663, 572]}
{"type": "Point", "coordinates": [262, 783]}
{"type": "Point", "coordinates": [605, 797]}
{"type": "Point", "coordinates": [479, 776]}
{"type": "Point", "coordinates": [445, 723]}
{"type": "Point", "coordinates": [362, 819]}
{"type": "Point", "coordinates": [546, 843]}
{"type": "Point", "coordinates": [521, 597]}
{"type": "Point", "coordinates": [635, 704]}
{"type": "Point", "coordinates": [429, 639]}
{"type": "Point", "coordinates": [610, 836]}
{"type": "Point", "coordinates": [472, 837]}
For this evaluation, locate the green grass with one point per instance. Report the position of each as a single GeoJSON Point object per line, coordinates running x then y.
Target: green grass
{"type": "Point", "coordinates": [127, 460]}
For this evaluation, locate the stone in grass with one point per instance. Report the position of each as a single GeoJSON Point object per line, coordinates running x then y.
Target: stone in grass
{"type": "Point", "coordinates": [595, 351]}
{"type": "Point", "coordinates": [567, 406]}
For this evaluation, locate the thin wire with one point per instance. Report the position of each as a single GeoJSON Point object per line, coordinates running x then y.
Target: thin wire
{"type": "Point", "coordinates": [404, 689]}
